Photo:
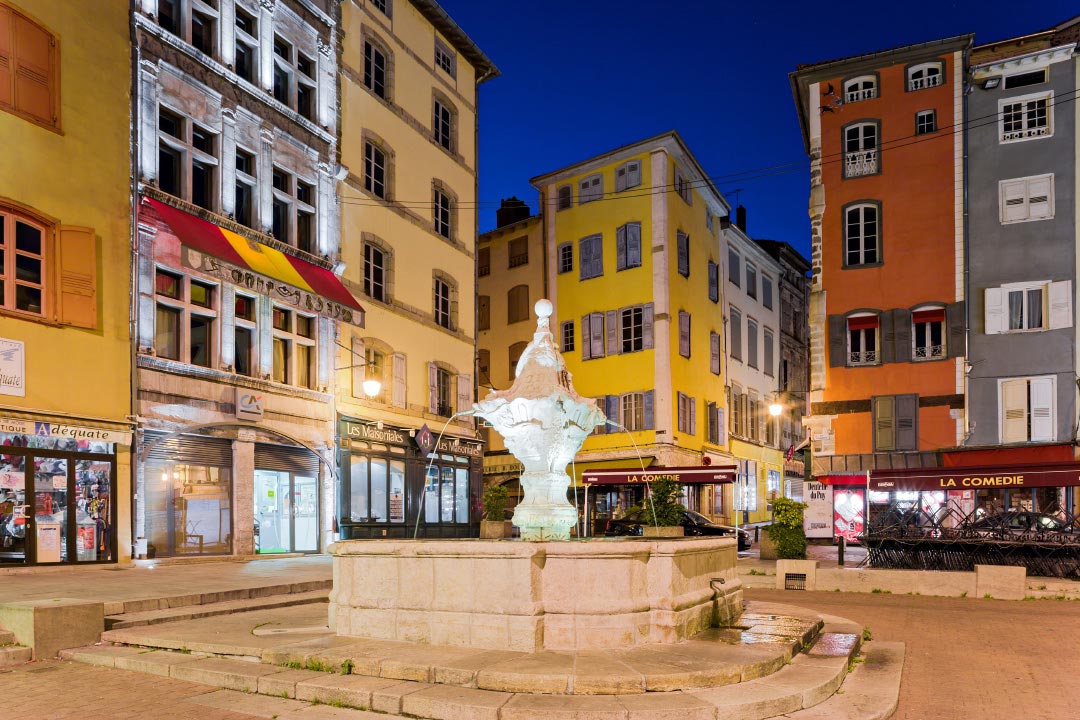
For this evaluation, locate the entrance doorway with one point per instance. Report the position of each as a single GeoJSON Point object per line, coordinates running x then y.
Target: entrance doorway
{"type": "Point", "coordinates": [286, 512]}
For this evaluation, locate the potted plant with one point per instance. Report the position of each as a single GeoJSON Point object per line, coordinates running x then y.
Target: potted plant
{"type": "Point", "coordinates": [493, 526]}
{"type": "Point", "coordinates": [663, 511]}
{"type": "Point", "coordinates": [786, 534]}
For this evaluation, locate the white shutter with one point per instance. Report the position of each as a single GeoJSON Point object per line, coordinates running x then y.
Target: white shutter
{"type": "Point", "coordinates": [1042, 409]}
{"type": "Point", "coordinates": [633, 174]}
{"type": "Point", "coordinates": [433, 388]}
{"type": "Point", "coordinates": [586, 337]}
{"type": "Point", "coordinates": [1014, 409]}
{"type": "Point", "coordinates": [620, 178]}
{"type": "Point", "coordinates": [1013, 200]}
{"type": "Point", "coordinates": [721, 427]}
{"type": "Point", "coordinates": [1061, 302]}
{"type": "Point", "coordinates": [714, 353]}
{"type": "Point", "coordinates": [464, 393]}
{"type": "Point", "coordinates": [596, 335]}
{"type": "Point", "coordinates": [995, 311]}
{"type": "Point", "coordinates": [398, 398]}
{"type": "Point", "coordinates": [1040, 197]}
{"type": "Point", "coordinates": [612, 324]}
{"type": "Point", "coordinates": [693, 416]}
{"type": "Point", "coordinates": [359, 368]}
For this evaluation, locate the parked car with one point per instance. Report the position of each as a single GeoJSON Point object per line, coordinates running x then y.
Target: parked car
{"type": "Point", "coordinates": [694, 524]}
{"type": "Point", "coordinates": [1014, 523]}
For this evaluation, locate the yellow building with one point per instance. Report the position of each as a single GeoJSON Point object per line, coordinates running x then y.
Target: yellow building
{"type": "Point", "coordinates": [65, 226]}
{"type": "Point", "coordinates": [409, 79]}
{"type": "Point", "coordinates": [633, 268]}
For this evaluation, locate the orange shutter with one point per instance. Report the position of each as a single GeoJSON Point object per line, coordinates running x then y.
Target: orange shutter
{"type": "Point", "coordinates": [5, 57]}
{"type": "Point", "coordinates": [77, 277]}
{"type": "Point", "coordinates": [35, 70]}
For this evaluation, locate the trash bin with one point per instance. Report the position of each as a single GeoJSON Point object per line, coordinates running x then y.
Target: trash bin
{"type": "Point", "coordinates": [86, 546]}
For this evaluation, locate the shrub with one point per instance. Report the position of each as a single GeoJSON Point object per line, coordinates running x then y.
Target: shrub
{"type": "Point", "coordinates": [494, 502]}
{"type": "Point", "coordinates": [787, 532]}
{"type": "Point", "coordinates": [663, 501]}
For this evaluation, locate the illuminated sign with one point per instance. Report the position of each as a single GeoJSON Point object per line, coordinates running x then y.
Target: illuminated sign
{"type": "Point", "coordinates": [708, 475]}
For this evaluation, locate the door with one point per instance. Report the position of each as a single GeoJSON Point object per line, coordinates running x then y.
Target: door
{"type": "Point", "coordinates": [286, 512]}
{"type": "Point", "coordinates": [305, 509]}
{"type": "Point", "coordinates": [16, 518]}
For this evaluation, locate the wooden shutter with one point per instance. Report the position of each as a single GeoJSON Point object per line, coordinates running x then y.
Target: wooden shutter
{"type": "Point", "coordinates": [6, 95]}
{"type": "Point", "coordinates": [735, 328]}
{"type": "Point", "coordinates": [585, 258]}
{"type": "Point", "coordinates": [994, 310]}
{"type": "Point", "coordinates": [485, 312]}
{"type": "Point", "coordinates": [612, 409]}
{"type": "Point", "coordinates": [710, 422]}
{"type": "Point", "coordinates": [907, 422]}
{"type": "Point", "coordinates": [751, 343]}
{"type": "Point", "coordinates": [620, 178]}
{"type": "Point", "coordinates": [586, 338]}
{"type": "Point", "coordinates": [1014, 411]}
{"type": "Point", "coordinates": [464, 393]}
{"type": "Point", "coordinates": [398, 398]}
{"type": "Point", "coordinates": [1013, 200]}
{"type": "Point", "coordinates": [647, 341]}
{"type": "Point", "coordinates": [1042, 409]}
{"type": "Point", "coordinates": [837, 341]}
{"type": "Point", "coordinates": [886, 345]}
{"type": "Point", "coordinates": [714, 353]}
{"type": "Point", "coordinates": [684, 333]}
{"type": "Point", "coordinates": [693, 416]}
{"type": "Point", "coordinates": [769, 354]}
{"type": "Point", "coordinates": [596, 335]}
{"type": "Point", "coordinates": [633, 174]}
{"type": "Point", "coordinates": [884, 423]}
{"type": "Point", "coordinates": [744, 414]}
{"type": "Point", "coordinates": [433, 388]}
{"type": "Point", "coordinates": [620, 248]}
{"type": "Point", "coordinates": [901, 327]}
{"type": "Point", "coordinates": [602, 428]}
{"type": "Point", "coordinates": [682, 241]}
{"type": "Point", "coordinates": [612, 334]}
{"type": "Point", "coordinates": [1040, 197]}
{"type": "Point", "coordinates": [76, 265]}
{"type": "Point", "coordinates": [1061, 302]}
{"type": "Point", "coordinates": [359, 367]}
{"type": "Point", "coordinates": [721, 427]}
{"type": "Point", "coordinates": [649, 402]}
{"type": "Point", "coordinates": [34, 70]}
{"type": "Point", "coordinates": [714, 281]}
{"type": "Point", "coordinates": [633, 245]}
{"type": "Point", "coordinates": [954, 328]}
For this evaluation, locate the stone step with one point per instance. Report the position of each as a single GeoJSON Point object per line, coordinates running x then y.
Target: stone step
{"type": "Point", "coordinates": [871, 691]}
{"type": "Point", "coordinates": [201, 610]}
{"type": "Point", "coordinates": [6, 637]}
{"type": "Point", "coordinates": [15, 655]}
{"type": "Point", "coordinates": [163, 602]}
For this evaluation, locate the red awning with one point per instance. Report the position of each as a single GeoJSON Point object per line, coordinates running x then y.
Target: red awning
{"type": "Point", "coordinates": [922, 316]}
{"type": "Point", "coordinates": [967, 478]}
{"type": "Point", "coordinates": [862, 322]}
{"type": "Point", "coordinates": [692, 475]}
{"type": "Point", "coordinates": [859, 479]}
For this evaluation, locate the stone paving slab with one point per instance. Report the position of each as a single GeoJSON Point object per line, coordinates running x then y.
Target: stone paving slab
{"type": "Point", "coordinates": [229, 674]}
{"type": "Point", "coordinates": [255, 705]}
{"type": "Point", "coordinates": [352, 690]}
{"type": "Point", "coordinates": [445, 702]}
{"type": "Point", "coordinates": [667, 706]}
{"type": "Point", "coordinates": [327, 712]}
{"type": "Point", "coordinates": [155, 662]}
{"type": "Point", "coordinates": [389, 699]}
{"type": "Point", "coordinates": [195, 611]}
{"type": "Point", "coordinates": [283, 684]}
{"type": "Point", "coordinates": [573, 707]}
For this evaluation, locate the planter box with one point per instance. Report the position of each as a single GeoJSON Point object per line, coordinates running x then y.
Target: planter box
{"type": "Point", "coordinates": [766, 546]}
{"type": "Point", "coordinates": [664, 531]}
{"type": "Point", "coordinates": [495, 529]}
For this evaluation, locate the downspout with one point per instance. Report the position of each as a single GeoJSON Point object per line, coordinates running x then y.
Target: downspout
{"type": "Point", "coordinates": [967, 255]}
{"type": "Point", "coordinates": [133, 273]}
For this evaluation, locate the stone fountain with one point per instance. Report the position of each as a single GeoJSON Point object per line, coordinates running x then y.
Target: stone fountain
{"type": "Point", "coordinates": [543, 592]}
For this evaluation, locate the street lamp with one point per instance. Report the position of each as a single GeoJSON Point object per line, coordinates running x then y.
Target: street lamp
{"type": "Point", "coordinates": [775, 408]}
{"type": "Point", "coordinates": [371, 387]}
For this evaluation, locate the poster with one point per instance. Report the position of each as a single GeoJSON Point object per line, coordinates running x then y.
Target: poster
{"type": "Point", "coordinates": [12, 480]}
{"type": "Point", "coordinates": [849, 512]}
{"type": "Point", "coordinates": [818, 517]}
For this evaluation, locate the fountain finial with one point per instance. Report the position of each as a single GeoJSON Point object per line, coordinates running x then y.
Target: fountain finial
{"type": "Point", "coordinates": [543, 308]}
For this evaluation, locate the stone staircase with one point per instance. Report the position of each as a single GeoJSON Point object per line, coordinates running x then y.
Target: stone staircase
{"type": "Point", "coordinates": [12, 653]}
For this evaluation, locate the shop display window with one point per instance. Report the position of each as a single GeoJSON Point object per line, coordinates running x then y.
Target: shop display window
{"type": "Point", "coordinates": [188, 509]}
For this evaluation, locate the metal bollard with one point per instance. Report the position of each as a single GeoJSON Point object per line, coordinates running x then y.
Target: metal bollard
{"type": "Point", "coordinates": [757, 533]}
{"type": "Point", "coordinates": [840, 551]}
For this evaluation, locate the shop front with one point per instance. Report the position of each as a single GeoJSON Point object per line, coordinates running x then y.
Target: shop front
{"type": "Point", "coordinates": [397, 482]}
{"type": "Point", "coordinates": [836, 507]}
{"type": "Point", "coordinates": [58, 494]}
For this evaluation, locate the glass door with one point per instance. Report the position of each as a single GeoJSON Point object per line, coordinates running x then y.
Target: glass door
{"type": "Point", "coordinates": [273, 526]}
{"type": "Point", "coordinates": [305, 506]}
{"type": "Point", "coordinates": [15, 510]}
{"type": "Point", "coordinates": [49, 534]}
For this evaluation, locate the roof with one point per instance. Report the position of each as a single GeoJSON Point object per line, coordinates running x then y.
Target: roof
{"type": "Point", "coordinates": [433, 12]}
{"type": "Point", "coordinates": [512, 227]}
{"type": "Point", "coordinates": [782, 250]}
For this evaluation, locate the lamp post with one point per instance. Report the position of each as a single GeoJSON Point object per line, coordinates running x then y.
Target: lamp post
{"type": "Point", "coordinates": [371, 386]}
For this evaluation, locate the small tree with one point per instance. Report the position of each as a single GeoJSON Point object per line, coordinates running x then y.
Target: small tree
{"type": "Point", "coordinates": [662, 507]}
{"type": "Point", "coordinates": [494, 502]}
{"type": "Point", "coordinates": [787, 532]}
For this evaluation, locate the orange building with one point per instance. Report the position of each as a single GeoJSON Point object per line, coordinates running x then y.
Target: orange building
{"type": "Point", "coordinates": [886, 305]}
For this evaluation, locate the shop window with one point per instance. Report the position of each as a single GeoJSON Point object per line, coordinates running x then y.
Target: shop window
{"type": "Point", "coordinates": [294, 343]}
{"type": "Point", "coordinates": [245, 335]}
{"type": "Point", "coordinates": [189, 509]}
{"type": "Point", "coordinates": [186, 315]}
{"type": "Point", "coordinates": [376, 489]}
{"type": "Point", "coordinates": [29, 69]}
{"type": "Point", "coordinates": [187, 159]}
{"type": "Point", "coordinates": [446, 495]}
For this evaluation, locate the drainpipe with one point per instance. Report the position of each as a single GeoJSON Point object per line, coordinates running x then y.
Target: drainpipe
{"type": "Point", "coordinates": [967, 260]}
{"type": "Point", "coordinates": [133, 273]}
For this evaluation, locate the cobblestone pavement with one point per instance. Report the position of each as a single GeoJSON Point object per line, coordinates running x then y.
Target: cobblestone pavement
{"type": "Point", "coordinates": [967, 657]}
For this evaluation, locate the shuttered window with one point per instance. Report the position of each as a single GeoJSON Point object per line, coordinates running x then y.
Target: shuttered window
{"type": "Point", "coordinates": [684, 333]}
{"type": "Point", "coordinates": [683, 244]}
{"type": "Point", "coordinates": [751, 343]}
{"type": "Point", "coordinates": [1026, 307]}
{"type": "Point", "coordinates": [687, 410]}
{"type": "Point", "coordinates": [714, 353]}
{"type": "Point", "coordinates": [769, 359]}
{"type": "Point", "coordinates": [517, 304]}
{"type": "Point", "coordinates": [895, 419]}
{"type": "Point", "coordinates": [484, 312]}
{"type": "Point", "coordinates": [515, 354]}
{"type": "Point", "coordinates": [628, 175]}
{"type": "Point", "coordinates": [1027, 409]}
{"type": "Point", "coordinates": [286, 458]}
{"type": "Point", "coordinates": [735, 331]}
{"type": "Point", "coordinates": [29, 65]}
{"type": "Point", "coordinates": [714, 282]}
{"type": "Point", "coordinates": [1024, 199]}
{"type": "Point", "coordinates": [628, 246]}
{"type": "Point", "coordinates": [189, 449]}
{"type": "Point", "coordinates": [591, 188]}
{"type": "Point", "coordinates": [734, 272]}
{"type": "Point", "coordinates": [565, 198]}
{"type": "Point", "coordinates": [592, 336]}
{"type": "Point", "coordinates": [591, 257]}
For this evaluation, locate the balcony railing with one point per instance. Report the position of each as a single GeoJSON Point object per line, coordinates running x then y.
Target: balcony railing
{"type": "Point", "coordinates": [519, 259]}
{"type": "Point", "coordinates": [866, 357]}
{"type": "Point", "coordinates": [924, 82]}
{"type": "Point", "coordinates": [857, 95]}
{"type": "Point", "coordinates": [483, 270]}
{"type": "Point", "coordinates": [929, 352]}
{"type": "Point", "coordinates": [860, 162]}
{"type": "Point", "coordinates": [444, 409]}
{"type": "Point", "coordinates": [1027, 132]}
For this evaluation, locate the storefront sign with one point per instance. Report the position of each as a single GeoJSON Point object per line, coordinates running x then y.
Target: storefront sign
{"type": "Point", "coordinates": [365, 431]}
{"type": "Point", "coordinates": [54, 430]}
{"type": "Point", "coordinates": [849, 512]}
{"type": "Point", "coordinates": [711, 475]}
{"type": "Point", "coordinates": [12, 367]}
{"type": "Point", "coordinates": [249, 404]}
{"type": "Point", "coordinates": [425, 440]}
{"type": "Point", "coordinates": [974, 478]}
{"type": "Point", "coordinates": [818, 516]}
{"type": "Point", "coordinates": [457, 446]}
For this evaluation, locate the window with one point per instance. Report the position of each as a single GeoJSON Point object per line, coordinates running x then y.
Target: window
{"type": "Point", "coordinates": [483, 312]}
{"type": "Point", "coordinates": [631, 323]}
{"type": "Point", "coordinates": [1026, 409]}
{"type": "Point", "coordinates": [245, 190]}
{"type": "Point", "coordinates": [565, 198]}
{"type": "Point", "coordinates": [185, 313]}
{"type": "Point", "coordinates": [860, 150]}
{"type": "Point", "coordinates": [443, 215]}
{"type": "Point", "coordinates": [687, 414]}
{"type": "Point", "coordinates": [714, 353]}
{"type": "Point", "coordinates": [861, 234]}
{"type": "Point", "coordinates": [751, 280]}
{"type": "Point", "coordinates": [751, 342]}
{"type": "Point", "coordinates": [895, 419]}
{"type": "Point", "coordinates": [714, 282]}
{"type": "Point", "coordinates": [862, 340]}
{"type": "Point", "coordinates": [294, 211]}
{"type": "Point", "coordinates": [443, 125]}
{"type": "Point", "coordinates": [515, 354]}
{"type": "Point", "coordinates": [1026, 117]}
{"type": "Point", "coordinates": [592, 257]}
{"type": "Point", "coordinates": [592, 336]}
{"type": "Point", "coordinates": [1024, 79]}
{"type": "Point", "coordinates": [245, 335]}
{"type": "Point", "coordinates": [682, 243]}
{"type": "Point", "coordinates": [684, 333]}
{"type": "Point", "coordinates": [1022, 307]}
{"type": "Point", "coordinates": [375, 271]}
{"type": "Point", "coordinates": [628, 175]}
{"type": "Point", "coordinates": [682, 186]}
{"type": "Point", "coordinates": [1025, 199]}
{"type": "Point", "coordinates": [863, 87]}
{"type": "Point", "coordinates": [375, 170]}
{"type": "Point", "coordinates": [375, 69]}
{"type": "Point", "coordinates": [445, 58]}
{"type": "Point", "coordinates": [738, 411]}
{"type": "Point", "coordinates": [484, 261]}
{"type": "Point", "coordinates": [590, 188]}
{"type": "Point", "coordinates": [442, 304]}
{"type": "Point", "coordinates": [517, 304]}
{"type": "Point", "coordinates": [753, 415]}
{"type": "Point", "coordinates": [566, 333]}
{"type": "Point", "coordinates": [519, 252]}
{"type": "Point", "coordinates": [374, 369]}
{"type": "Point", "coordinates": [247, 44]}
{"type": "Point", "coordinates": [925, 122]}
{"type": "Point", "coordinates": [766, 292]}
{"type": "Point", "coordinates": [734, 267]}
{"type": "Point", "coordinates": [566, 257]}
{"type": "Point", "coordinates": [709, 220]}
{"type": "Point", "coordinates": [628, 246]}
{"type": "Point", "coordinates": [632, 411]}
{"type": "Point", "coordinates": [735, 326]}
{"type": "Point", "coordinates": [193, 21]}
{"type": "Point", "coordinates": [928, 326]}
{"type": "Point", "coordinates": [440, 391]}
{"type": "Point", "coordinates": [715, 431]}
{"type": "Point", "coordinates": [294, 78]}
{"type": "Point", "coordinates": [24, 263]}
{"type": "Point", "coordinates": [187, 159]}
{"type": "Point", "coordinates": [294, 337]}
{"type": "Point", "coordinates": [925, 75]}
{"type": "Point", "coordinates": [770, 360]}
{"type": "Point", "coordinates": [484, 367]}
{"type": "Point", "coordinates": [386, 7]}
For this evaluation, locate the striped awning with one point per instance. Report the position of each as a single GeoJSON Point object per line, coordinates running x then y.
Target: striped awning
{"type": "Point", "coordinates": [247, 255]}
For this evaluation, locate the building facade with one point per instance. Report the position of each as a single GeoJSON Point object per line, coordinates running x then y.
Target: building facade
{"type": "Point", "coordinates": [235, 106]}
{"type": "Point", "coordinates": [409, 90]}
{"type": "Point", "coordinates": [65, 342]}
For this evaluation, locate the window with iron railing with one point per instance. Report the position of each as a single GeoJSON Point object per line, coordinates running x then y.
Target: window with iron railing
{"type": "Point", "coordinates": [519, 252]}
{"type": "Point", "coordinates": [860, 88]}
{"type": "Point", "coordinates": [863, 340]}
{"type": "Point", "coordinates": [925, 75]}
{"type": "Point", "coordinates": [861, 150]}
{"type": "Point", "coordinates": [1025, 118]}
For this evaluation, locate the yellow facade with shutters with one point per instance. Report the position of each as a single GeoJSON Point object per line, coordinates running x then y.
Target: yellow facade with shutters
{"type": "Point", "coordinates": [65, 203]}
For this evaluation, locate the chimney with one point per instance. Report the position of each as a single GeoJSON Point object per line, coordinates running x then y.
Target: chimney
{"type": "Point", "coordinates": [740, 218]}
{"type": "Point", "coordinates": [511, 210]}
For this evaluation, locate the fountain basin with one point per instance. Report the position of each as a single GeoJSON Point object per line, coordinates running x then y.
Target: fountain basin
{"type": "Point", "coordinates": [529, 597]}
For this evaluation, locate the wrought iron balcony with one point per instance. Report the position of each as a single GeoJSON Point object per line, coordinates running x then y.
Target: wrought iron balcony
{"type": "Point", "coordinates": [929, 352]}
{"type": "Point", "coordinates": [865, 357]}
{"type": "Point", "coordinates": [860, 162]}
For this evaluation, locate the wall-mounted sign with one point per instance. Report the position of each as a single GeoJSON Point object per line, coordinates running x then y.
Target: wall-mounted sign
{"type": "Point", "coordinates": [249, 404]}
{"type": "Point", "coordinates": [12, 367]}
{"type": "Point", "coordinates": [457, 446]}
{"type": "Point", "coordinates": [425, 440]}
{"type": "Point", "coordinates": [818, 517]}
{"type": "Point", "coordinates": [371, 431]}
{"type": "Point", "coordinates": [54, 430]}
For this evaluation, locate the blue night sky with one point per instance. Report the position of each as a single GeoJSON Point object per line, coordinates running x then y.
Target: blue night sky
{"type": "Point", "coordinates": [582, 78]}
